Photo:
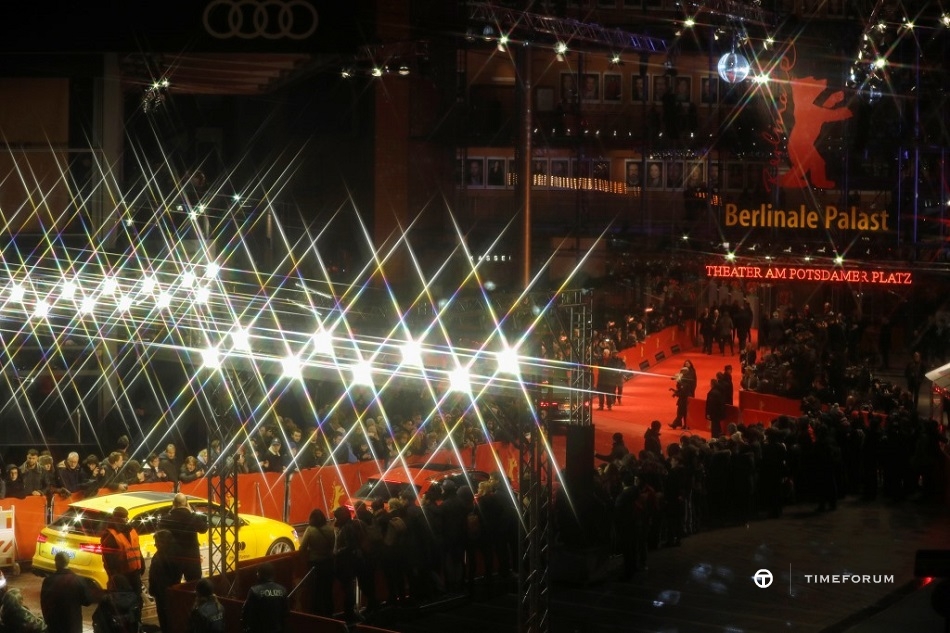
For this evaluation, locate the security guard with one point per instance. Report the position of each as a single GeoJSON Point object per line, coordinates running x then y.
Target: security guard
{"type": "Point", "coordinates": [121, 554]}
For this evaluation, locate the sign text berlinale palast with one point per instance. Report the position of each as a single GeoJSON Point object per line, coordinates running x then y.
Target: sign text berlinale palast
{"type": "Point", "coordinates": [765, 216]}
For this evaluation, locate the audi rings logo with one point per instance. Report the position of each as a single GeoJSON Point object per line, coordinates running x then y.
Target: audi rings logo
{"type": "Point", "coordinates": [762, 579]}
{"type": "Point", "coordinates": [267, 19]}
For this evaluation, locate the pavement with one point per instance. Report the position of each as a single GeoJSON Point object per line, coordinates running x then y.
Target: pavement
{"type": "Point", "coordinates": [708, 583]}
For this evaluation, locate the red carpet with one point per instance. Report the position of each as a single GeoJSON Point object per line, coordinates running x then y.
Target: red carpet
{"type": "Point", "coordinates": [647, 397]}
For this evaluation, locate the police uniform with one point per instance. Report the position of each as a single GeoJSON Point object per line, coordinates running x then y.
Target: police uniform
{"type": "Point", "coordinates": [266, 608]}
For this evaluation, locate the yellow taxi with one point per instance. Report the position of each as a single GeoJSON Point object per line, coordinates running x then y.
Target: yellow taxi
{"type": "Point", "coordinates": [78, 530]}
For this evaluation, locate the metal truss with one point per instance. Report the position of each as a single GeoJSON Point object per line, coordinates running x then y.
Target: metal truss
{"type": "Point", "coordinates": [579, 305]}
{"type": "Point", "coordinates": [223, 526]}
{"type": "Point", "coordinates": [751, 12]}
{"type": "Point", "coordinates": [537, 473]}
{"type": "Point", "coordinates": [522, 25]}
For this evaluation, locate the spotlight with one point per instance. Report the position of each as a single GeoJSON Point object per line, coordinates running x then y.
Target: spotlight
{"type": "Point", "coordinates": [125, 303]}
{"type": "Point", "coordinates": [17, 293]}
{"type": "Point", "coordinates": [615, 60]}
{"type": "Point", "coordinates": [362, 374]}
{"type": "Point", "coordinates": [69, 290]}
{"type": "Point", "coordinates": [109, 286]}
{"type": "Point", "coordinates": [322, 342]}
{"type": "Point", "coordinates": [689, 23]}
{"type": "Point", "coordinates": [503, 43]}
{"type": "Point", "coordinates": [212, 270]}
{"type": "Point", "coordinates": [202, 295]}
{"type": "Point", "coordinates": [403, 70]}
{"type": "Point", "coordinates": [87, 306]}
{"type": "Point", "coordinates": [459, 381]}
{"type": "Point", "coordinates": [345, 73]}
{"type": "Point", "coordinates": [488, 32]}
{"type": "Point", "coordinates": [411, 354]}
{"type": "Point", "coordinates": [41, 309]}
{"type": "Point", "coordinates": [508, 362]}
{"type": "Point", "coordinates": [291, 367]}
{"type": "Point", "coordinates": [188, 279]}
{"type": "Point", "coordinates": [377, 71]}
{"type": "Point", "coordinates": [880, 62]}
{"type": "Point", "coordinates": [210, 358]}
{"type": "Point", "coordinates": [240, 340]}
{"type": "Point", "coordinates": [945, 19]}
{"type": "Point", "coordinates": [560, 50]}
{"type": "Point", "coordinates": [163, 301]}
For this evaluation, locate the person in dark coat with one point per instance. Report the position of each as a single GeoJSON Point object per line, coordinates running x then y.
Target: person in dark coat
{"type": "Point", "coordinates": [347, 558]}
{"type": "Point", "coordinates": [608, 377]}
{"type": "Point", "coordinates": [185, 525]}
{"type": "Point", "coordinates": [267, 606]}
{"type": "Point", "coordinates": [914, 373]}
{"type": "Point", "coordinates": [69, 473]}
{"type": "Point", "coordinates": [120, 610]}
{"type": "Point", "coordinates": [715, 408]}
{"type": "Point", "coordinates": [628, 525]}
{"type": "Point", "coordinates": [317, 545]}
{"type": "Point", "coordinates": [652, 439]}
{"type": "Point", "coordinates": [207, 616]}
{"type": "Point", "coordinates": [682, 394]}
{"type": "Point", "coordinates": [13, 487]}
{"type": "Point", "coordinates": [163, 572]}
{"type": "Point", "coordinates": [726, 385]}
{"type": "Point", "coordinates": [62, 597]}
{"type": "Point", "coordinates": [618, 450]}
{"type": "Point", "coordinates": [453, 517]}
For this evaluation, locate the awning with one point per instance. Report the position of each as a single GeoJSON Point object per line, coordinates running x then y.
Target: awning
{"type": "Point", "coordinates": [940, 376]}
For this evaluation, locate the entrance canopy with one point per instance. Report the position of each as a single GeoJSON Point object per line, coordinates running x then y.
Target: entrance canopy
{"type": "Point", "coordinates": [940, 376]}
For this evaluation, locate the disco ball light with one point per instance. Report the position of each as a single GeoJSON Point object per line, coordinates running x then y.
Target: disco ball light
{"type": "Point", "coordinates": [733, 67]}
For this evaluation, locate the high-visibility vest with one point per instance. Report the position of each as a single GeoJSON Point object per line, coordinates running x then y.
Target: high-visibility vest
{"type": "Point", "coordinates": [127, 554]}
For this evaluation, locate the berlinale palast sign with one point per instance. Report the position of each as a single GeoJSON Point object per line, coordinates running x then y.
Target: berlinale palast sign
{"type": "Point", "coordinates": [766, 216]}
{"type": "Point", "coordinates": [812, 273]}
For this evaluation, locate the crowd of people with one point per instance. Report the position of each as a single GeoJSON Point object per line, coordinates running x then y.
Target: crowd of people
{"type": "Point", "coordinates": [875, 445]}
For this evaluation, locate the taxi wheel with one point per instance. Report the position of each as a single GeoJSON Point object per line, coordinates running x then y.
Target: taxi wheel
{"type": "Point", "coordinates": [280, 546]}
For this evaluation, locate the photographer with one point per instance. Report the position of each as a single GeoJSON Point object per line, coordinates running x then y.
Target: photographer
{"type": "Point", "coordinates": [681, 392]}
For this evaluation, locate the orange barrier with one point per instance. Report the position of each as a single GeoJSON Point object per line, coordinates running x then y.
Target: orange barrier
{"type": "Point", "coordinates": [29, 519]}
{"type": "Point", "coordinates": [768, 402]}
{"type": "Point", "coordinates": [657, 347]}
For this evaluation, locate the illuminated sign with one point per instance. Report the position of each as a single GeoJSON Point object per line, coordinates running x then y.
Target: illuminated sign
{"type": "Point", "coordinates": [765, 216]}
{"type": "Point", "coordinates": [804, 273]}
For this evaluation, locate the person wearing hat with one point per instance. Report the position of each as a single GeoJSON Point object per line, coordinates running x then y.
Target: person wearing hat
{"type": "Point", "coordinates": [273, 460]}
{"type": "Point", "coordinates": [121, 554]}
{"type": "Point", "coordinates": [617, 452]}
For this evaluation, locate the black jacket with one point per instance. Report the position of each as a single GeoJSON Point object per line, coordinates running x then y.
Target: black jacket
{"type": "Point", "coordinates": [265, 609]}
{"type": "Point", "coordinates": [185, 527]}
{"type": "Point", "coordinates": [62, 598]}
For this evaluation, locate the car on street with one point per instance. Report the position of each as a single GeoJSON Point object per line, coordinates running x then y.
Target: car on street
{"type": "Point", "coordinates": [78, 530]}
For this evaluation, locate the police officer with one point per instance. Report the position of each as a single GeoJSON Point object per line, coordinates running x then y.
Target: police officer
{"type": "Point", "coordinates": [121, 554]}
{"type": "Point", "coordinates": [267, 605]}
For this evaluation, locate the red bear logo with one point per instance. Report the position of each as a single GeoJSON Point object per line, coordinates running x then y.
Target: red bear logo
{"type": "Point", "coordinates": [807, 165]}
